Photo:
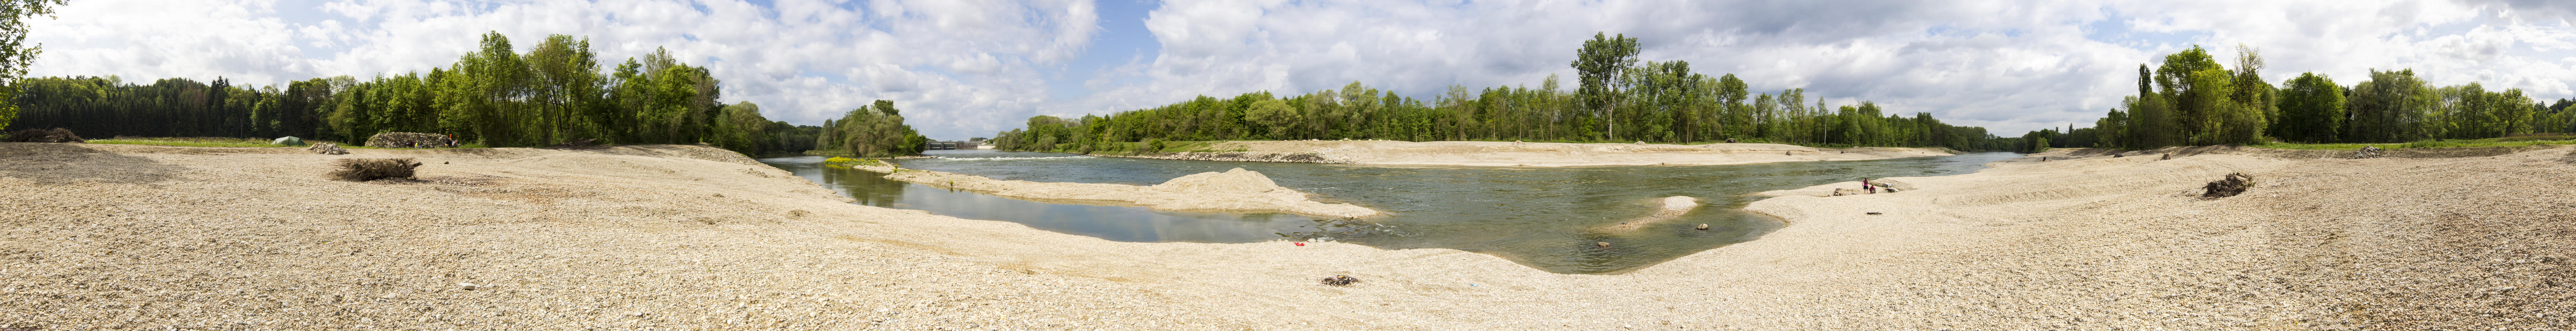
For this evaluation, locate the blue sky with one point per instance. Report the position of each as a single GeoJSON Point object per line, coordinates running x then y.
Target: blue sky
{"type": "Point", "coordinates": [969, 68]}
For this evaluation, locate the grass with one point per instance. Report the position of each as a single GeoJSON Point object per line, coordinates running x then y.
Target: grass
{"type": "Point", "coordinates": [2441, 143]}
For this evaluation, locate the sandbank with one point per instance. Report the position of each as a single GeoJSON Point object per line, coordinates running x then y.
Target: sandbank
{"type": "Point", "coordinates": [1488, 153]}
{"type": "Point", "coordinates": [1235, 190]}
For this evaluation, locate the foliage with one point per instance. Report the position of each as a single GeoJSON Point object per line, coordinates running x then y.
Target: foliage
{"type": "Point", "coordinates": [876, 130]}
{"type": "Point", "coordinates": [553, 92]}
{"type": "Point", "coordinates": [2311, 110]}
{"type": "Point", "coordinates": [15, 54]}
{"type": "Point", "coordinates": [1619, 101]}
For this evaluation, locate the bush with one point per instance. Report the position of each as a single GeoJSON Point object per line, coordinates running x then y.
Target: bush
{"type": "Point", "coordinates": [56, 135]}
{"type": "Point", "coordinates": [359, 170]}
{"type": "Point", "coordinates": [409, 140]}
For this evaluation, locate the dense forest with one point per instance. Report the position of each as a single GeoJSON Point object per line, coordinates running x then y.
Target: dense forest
{"type": "Point", "coordinates": [554, 92]}
{"type": "Point", "coordinates": [1616, 100]}
{"type": "Point", "coordinates": [2191, 99]}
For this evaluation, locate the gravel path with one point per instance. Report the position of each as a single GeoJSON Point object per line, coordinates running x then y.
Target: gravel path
{"type": "Point", "coordinates": [687, 238]}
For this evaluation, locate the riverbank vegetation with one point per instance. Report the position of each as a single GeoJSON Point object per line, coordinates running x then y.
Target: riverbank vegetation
{"type": "Point", "coordinates": [556, 91]}
{"type": "Point", "coordinates": [2191, 99]}
{"type": "Point", "coordinates": [1616, 99]}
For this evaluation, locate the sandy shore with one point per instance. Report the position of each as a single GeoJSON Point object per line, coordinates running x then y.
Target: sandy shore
{"type": "Point", "coordinates": [1235, 190]}
{"type": "Point", "coordinates": [674, 237]}
{"type": "Point", "coordinates": [1486, 153]}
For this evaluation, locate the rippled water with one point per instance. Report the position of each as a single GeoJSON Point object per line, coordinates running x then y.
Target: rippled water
{"type": "Point", "coordinates": [1545, 218]}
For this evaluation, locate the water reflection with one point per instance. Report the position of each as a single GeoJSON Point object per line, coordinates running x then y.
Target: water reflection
{"type": "Point", "coordinates": [1546, 218]}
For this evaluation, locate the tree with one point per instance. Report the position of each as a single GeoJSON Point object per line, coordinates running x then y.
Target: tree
{"type": "Point", "coordinates": [15, 54]}
{"type": "Point", "coordinates": [2312, 109]}
{"type": "Point", "coordinates": [1598, 68]}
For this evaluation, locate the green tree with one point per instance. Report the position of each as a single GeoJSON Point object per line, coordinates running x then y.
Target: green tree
{"type": "Point", "coordinates": [15, 53]}
{"type": "Point", "coordinates": [2312, 109]}
{"type": "Point", "coordinates": [1598, 67]}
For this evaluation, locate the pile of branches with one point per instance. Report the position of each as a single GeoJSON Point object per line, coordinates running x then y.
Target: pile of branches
{"type": "Point", "coordinates": [56, 135]}
{"type": "Point", "coordinates": [409, 140]}
{"type": "Point", "coordinates": [2234, 184]}
{"type": "Point", "coordinates": [359, 170]}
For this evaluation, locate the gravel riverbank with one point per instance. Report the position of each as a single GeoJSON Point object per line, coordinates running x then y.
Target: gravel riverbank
{"type": "Point", "coordinates": [688, 237]}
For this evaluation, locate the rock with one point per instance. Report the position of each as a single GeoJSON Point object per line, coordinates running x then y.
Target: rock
{"type": "Point", "coordinates": [1702, 226]}
{"type": "Point", "coordinates": [467, 286]}
{"type": "Point", "coordinates": [1603, 244]}
{"type": "Point", "coordinates": [2366, 152]}
{"type": "Point", "coordinates": [1848, 191]}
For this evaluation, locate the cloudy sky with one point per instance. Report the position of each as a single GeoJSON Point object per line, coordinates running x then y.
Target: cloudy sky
{"type": "Point", "coordinates": [969, 68]}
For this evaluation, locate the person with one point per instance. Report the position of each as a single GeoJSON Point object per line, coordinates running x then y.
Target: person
{"type": "Point", "coordinates": [1866, 188]}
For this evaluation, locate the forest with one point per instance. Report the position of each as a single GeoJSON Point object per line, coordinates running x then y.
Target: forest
{"type": "Point", "coordinates": [552, 93]}
{"type": "Point", "coordinates": [2191, 99]}
{"type": "Point", "coordinates": [1616, 99]}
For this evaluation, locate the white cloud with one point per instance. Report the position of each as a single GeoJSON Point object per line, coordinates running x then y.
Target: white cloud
{"type": "Point", "coordinates": [968, 68]}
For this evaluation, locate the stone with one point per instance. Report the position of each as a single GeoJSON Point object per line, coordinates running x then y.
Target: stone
{"type": "Point", "coordinates": [468, 286]}
{"type": "Point", "coordinates": [2366, 152]}
{"type": "Point", "coordinates": [1604, 244]}
{"type": "Point", "coordinates": [1848, 191]}
{"type": "Point", "coordinates": [1702, 226]}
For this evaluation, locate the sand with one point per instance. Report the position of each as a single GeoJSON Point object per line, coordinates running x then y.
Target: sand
{"type": "Point", "coordinates": [1486, 153]}
{"type": "Point", "coordinates": [1235, 190]}
{"type": "Point", "coordinates": [678, 237]}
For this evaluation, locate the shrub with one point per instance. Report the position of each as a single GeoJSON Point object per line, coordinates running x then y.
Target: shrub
{"type": "Point", "coordinates": [409, 140]}
{"type": "Point", "coordinates": [56, 135]}
{"type": "Point", "coordinates": [359, 170]}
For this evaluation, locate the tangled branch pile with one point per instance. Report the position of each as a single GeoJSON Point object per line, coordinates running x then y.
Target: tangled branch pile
{"type": "Point", "coordinates": [408, 140]}
{"type": "Point", "coordinates": [56, 135]}
{"type": "Point", "coordinates": [359, 170]}
{"type": "Point", "coordinates": [2234, 184]}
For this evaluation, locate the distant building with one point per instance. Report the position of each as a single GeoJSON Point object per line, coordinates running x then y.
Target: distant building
{"type": "Point", "coordinates": [956, 145]}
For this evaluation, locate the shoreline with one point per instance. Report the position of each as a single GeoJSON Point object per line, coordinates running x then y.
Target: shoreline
{"type": "Point", "coordinates": [1518, 154]}
{"type": "Point", "coordinates": [675, 237]}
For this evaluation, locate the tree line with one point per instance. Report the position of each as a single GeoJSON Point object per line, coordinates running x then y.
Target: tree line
{"type": "Point", "coordinates": [2191, 99]}
{"type": "Point", "coordinates": [1616, 100]}
{"type": "Point", "coordinates": [552, 93]}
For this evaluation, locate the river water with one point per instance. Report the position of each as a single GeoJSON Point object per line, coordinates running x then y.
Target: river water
{"type": "Point", "coordinates": [1545, 218]}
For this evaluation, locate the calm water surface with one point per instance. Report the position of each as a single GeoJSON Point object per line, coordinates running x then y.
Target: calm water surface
{"type": "Point", "coordinates": [1545, 218]}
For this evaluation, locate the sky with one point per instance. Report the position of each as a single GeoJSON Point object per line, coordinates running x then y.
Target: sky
{"type": "Point", "coordinates": [960, 68]}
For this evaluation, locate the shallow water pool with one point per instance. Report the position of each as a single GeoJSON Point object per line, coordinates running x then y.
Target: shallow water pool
{"type": "Point", "coordinates": [1545, 218]}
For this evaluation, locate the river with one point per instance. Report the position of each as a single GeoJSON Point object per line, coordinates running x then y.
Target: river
{"type": "Point", "coordinates": [1545, 218]}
